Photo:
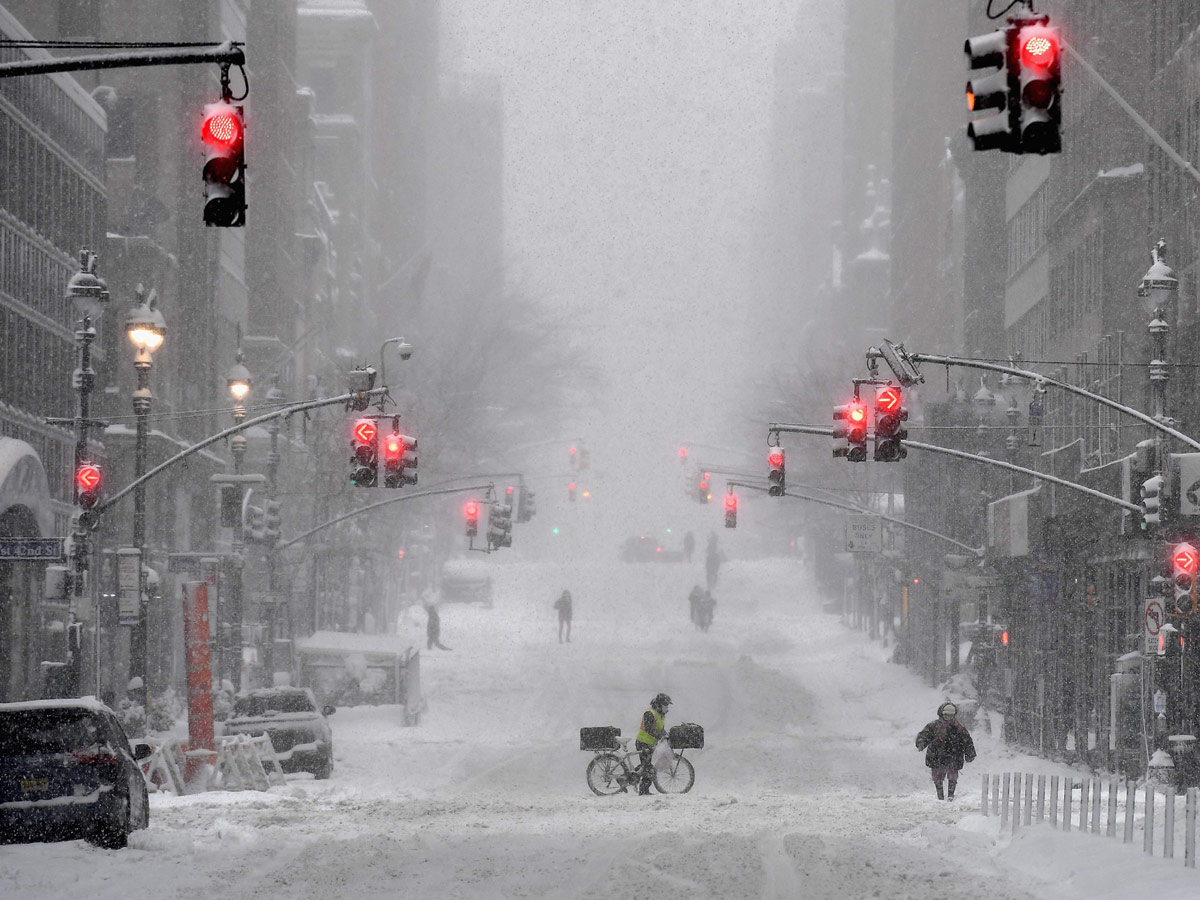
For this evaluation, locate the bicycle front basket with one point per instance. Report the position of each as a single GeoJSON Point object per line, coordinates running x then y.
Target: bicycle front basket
{"type": "Point", "coordinates": [687, 736]}
{"type": "Point", "coordinates": [602, 738]}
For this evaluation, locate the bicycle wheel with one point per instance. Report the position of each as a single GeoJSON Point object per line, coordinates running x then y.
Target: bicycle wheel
{"type": "Point", "coordinates": [602, 774]}
{"type": "Point", "coordinates": [677, 778]}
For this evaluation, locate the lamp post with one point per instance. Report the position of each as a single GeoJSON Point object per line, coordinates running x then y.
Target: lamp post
{"type": "Point", "coordinates": [275, 398]}
{"type": "Point", "coordinates": [1157, 290]}
{"type": "Point", "coordinates": [88, 293]}
{"type": "Point", "coordinates": [229, 637]}
{"type": "Point", "coordinates": [146, 329]}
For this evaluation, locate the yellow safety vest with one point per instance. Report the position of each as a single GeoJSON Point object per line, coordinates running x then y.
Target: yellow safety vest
{"type": "Point", "coordinates": [658, 722]}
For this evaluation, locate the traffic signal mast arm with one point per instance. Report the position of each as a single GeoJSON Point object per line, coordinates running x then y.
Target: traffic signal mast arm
{"type": "Point", "coordinates": [1040, 380]}
{"type": "Point", "coordinates": [778, 427]}
{"type": "Point", "coordinates": [229, 53]}
{"type": "Point", "coordinates": [287, 410]}
{"type": "Point", "coordinates": [849, 507]}
{"type": "Point", "coordinates": [362, 509]}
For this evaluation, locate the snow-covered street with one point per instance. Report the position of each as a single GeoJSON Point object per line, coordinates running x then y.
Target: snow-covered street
{"type": "Point", "coordinates": [808, 786]}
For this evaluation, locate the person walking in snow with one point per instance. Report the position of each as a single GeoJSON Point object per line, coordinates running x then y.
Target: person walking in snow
{"type": "Point", "coordinates": [947, 745]}
{"type": "Point", "coordinates": [563, 605]}
{"type": "Point", "coordinates": [694, 599]}
{"type": "Point", "coordinates": [433, 628]}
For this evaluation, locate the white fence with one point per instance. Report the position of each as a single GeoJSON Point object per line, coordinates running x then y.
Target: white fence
{"type": "Point", "coordinates": [1021, 800]}
{"type": "Point", "coordinates": [240, 763]}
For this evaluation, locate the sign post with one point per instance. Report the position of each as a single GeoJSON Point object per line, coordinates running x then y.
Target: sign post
{"type": "Point", "coordinates": [48, 549]}
{"type": "Point", "coordinates": [129, 600]}
{"type": "Point", "coordinates": [864, 534]}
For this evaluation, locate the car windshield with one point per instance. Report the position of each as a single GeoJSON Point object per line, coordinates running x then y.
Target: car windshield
{"type": "Point", "coordinates": [266, 704]}
{"type": "Point", "coordinates": [27, 732]}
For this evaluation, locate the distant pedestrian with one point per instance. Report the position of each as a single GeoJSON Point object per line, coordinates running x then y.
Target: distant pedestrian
{"type": "Point", "coordinates": [947, 745]}
{"type": "Point", "coordinates": [433, 628]}
{"type": "Point", "coordinates": [563, 605]}
{"type": "Point", "coordinates": [689, 546]}
{"type": "Point", "coordinates": [704, 610]}
{"type": "Point", "coordinates": [694, 600]}
{"type": "Point", "coordinates": [712, 562]}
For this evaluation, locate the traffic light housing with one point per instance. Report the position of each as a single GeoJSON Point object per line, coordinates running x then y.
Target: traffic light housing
{"type": "Point", "coordinates": [992, 90]}
{"type": "Point", "coordinates": [573, 456]}
{"type": "Point", "coordinates": [499, 525]}
{"type": "Point", "coordinates": [856, 432]}
{"type": "Point", "coordinates": [272, 520]}
{"type": "Point", "coordinates": [704, 494]}
{"type": "Point", "coordinates": [890, 432]}
{"type": "Point", "coordinates": [1184, 558]}
{"type": "Point", "coordinates": [571, 491]}
{"type": "Point", "coordinates": [254, 526]}
{"type": "Point", "coordinates": [777, 477]}
{"type": "Point", "coordinates": [364, 462]}
{"type": "Point", "coordinates": [1037, 54]}
{"type": "Point", "coordinates": [471, 514]}
{"type": "Point", "coordinates": [231, 505]}
{"type": "Point", "coordinates": [526, 505]}
{"type": "Point", "coordinates": [1151, 491]}
{"type": "Point", "coordinates": [223, 132]}
{"type": "Point", "coordinates": [399, 457]}
{"type": "Point", "coordinates": [731, 502]}
{"type": "Point", "coordinates": [88, 481]}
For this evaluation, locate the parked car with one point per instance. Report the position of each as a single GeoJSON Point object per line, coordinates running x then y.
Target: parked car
{"type": "Point", "coordinates": [297, 726]}
{"type": "Point", "coordinates": [67, 772]}
{"type": "Point", "coordinates": [641, 548]}
{"type": "Point", "coordinates": [466, 581]}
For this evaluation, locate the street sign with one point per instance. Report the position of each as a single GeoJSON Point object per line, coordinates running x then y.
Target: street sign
{"type": "Point", "coordinates": [1155, 617]}
{"type": "Point", "coordinates": [129, 594]}
{"type": "Point", "coordinates": [864, 534]}
{"type": "Point", "coordinates": [48, 549]}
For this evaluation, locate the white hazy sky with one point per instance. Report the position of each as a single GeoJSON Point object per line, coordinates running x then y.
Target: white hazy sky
{"type": "Point", "coordinates": [635, 150]}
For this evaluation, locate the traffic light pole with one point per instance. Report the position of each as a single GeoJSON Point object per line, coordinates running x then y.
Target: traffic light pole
{"type": "Point", "coordinates": [778, 427]}
{"type": "Point", "coordinates": [849, 507]}
{"type": "Point", "coordinates": [873, 354]}
{"type": "Point", "coordinates": [363, 509]}
{"type": "Point", "coordinates": [228, 53]}
{"type": "Point", "coordinates": [286, 410]}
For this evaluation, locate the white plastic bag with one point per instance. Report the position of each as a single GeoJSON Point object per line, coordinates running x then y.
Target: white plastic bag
{"type": "Point", "coordinates": [662, 757]}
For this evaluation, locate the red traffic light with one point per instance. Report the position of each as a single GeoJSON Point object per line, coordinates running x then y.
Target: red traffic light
{"type": "Point", "coordinates": [471, 510]}
{"type": "Point", "coordinates": [1185, 558]}
{"type": "Point", "coordinates": [1004, 637]}
{"type": "Point", "coordinates": [393, 447]}
{"type": "Point", "coordinates": [87, 477]}
{"type": "Point", "coordinates": [573, 451]}
{"type": "Point", "coordinates": [857, 413]}
{"type": "Point", "coordinates": [1038, 49]}
{"type": "Point", "coordinates": [509, 491]}
{"type": "Point", "coordinates": [775, 458]}
{"type": "Point", "coordinates": [222, 128]}
{"type": "Point", "coordinates": [683, 452]}
{"type": "Point", "coordinates": [365, 431]}
{"type": "Point", "coordinates": [731, 501]}
{"type": "Point", "coordinates": [888, 399]}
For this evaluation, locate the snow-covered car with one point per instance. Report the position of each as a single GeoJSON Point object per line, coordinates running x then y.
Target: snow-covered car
{"type": "Point", "coordinates": [297, 726]}
{"type": "Point", "coordinates": [466, 581]}
{"type": "Point", "coordinates": [67, 772]}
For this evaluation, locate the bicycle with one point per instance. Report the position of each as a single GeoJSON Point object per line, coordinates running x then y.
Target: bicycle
{"type": "Point", "coordinates": [610, 772]}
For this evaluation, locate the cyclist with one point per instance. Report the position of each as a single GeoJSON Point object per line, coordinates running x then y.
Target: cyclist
{"type": "Point", "coordinates": [652, 730]}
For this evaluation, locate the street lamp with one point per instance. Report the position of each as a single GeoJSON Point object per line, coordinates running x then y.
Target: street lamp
{"type": "Point", "coordinates": [1158, 288]}
{"type": "Point", "coordinates": [146, 329]}
{"type": "Point", "coordinates": [87, 293]}
{"type": "Point", "coordinates": [239, 387]}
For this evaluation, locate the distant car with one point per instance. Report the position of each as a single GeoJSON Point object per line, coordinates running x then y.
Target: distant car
{"type": "Point", "coordinates": [641, 549]}
{"type": "Point", "coordinates": [298, 729]}
{"type": "Point", "coordinates": [67, 772]}
{"type": "Point", "coordinates": [466, 581]}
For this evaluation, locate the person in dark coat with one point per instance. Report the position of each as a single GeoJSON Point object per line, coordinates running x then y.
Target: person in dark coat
{"type": "Point", "coordinates": [433, 628]}
{"type": "Point", "coordinates": [563, 605]}
{"type": "Point", "coordinates": [947, 745]}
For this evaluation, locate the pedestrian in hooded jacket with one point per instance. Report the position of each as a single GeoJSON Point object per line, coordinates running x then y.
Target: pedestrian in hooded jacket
{"type": "Point", "coordinates": [947, 745]}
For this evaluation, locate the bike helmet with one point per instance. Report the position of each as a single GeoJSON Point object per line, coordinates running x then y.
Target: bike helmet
{"type": "Point", "coordinates": [661, 702]}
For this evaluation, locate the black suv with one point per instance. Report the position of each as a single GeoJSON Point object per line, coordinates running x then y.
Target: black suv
{"type": "Point", "coordinates": [297, 727]}
{"type": "Point", "coordinates": [66, 772]}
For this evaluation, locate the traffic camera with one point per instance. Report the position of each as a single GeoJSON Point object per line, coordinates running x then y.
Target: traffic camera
{"type": "Point", "coordinates": [223, 133]}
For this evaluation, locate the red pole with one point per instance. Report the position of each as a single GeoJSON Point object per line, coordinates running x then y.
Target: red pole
{"type": "Point", "coordinates": [199, 673]}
